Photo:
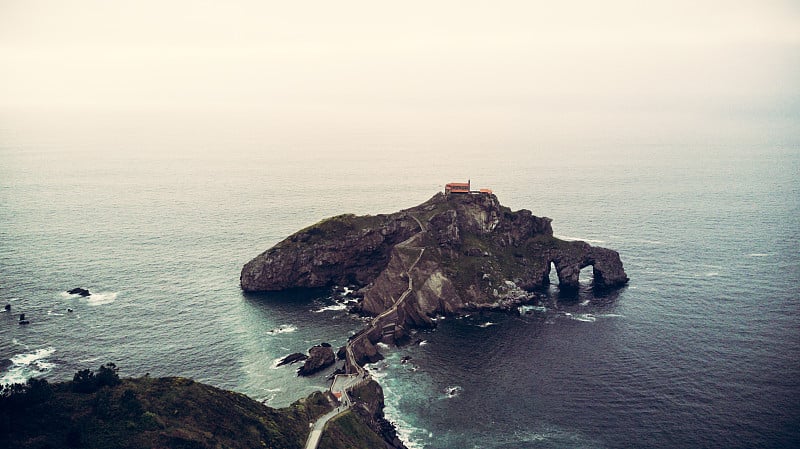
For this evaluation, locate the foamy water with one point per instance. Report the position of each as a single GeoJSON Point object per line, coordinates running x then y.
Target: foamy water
{"type": "Point", "coordinates": [28, 364]}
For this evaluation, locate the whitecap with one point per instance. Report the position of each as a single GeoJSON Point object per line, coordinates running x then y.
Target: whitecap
{"type": "Point", "coordinates": [276, 362]}
{"type": "Point", "coordinates": [610, 315]}
{"type": "Point", "coordinates": [383, 345]}
{"type": "Point", "coordinates": [564, 237]}
{"type": "Point", "coordinates": [759, 255]}
{"type": "Point", "coordinates": [585, 317]}
{"type": "Point", "coordinates": [486, 324]}
{"type": "Point", "coordinates": [333, 307]}
{"type": "Point", "coordinates": [24, 366]}
{"type": "Point", "coordinates": [423, 342]}
{"type": "Point", "coordinates": [282, 329]}
{"type": "Point", "coordinates": [452, 391]}
{"type": "Point", "coordinates": [712, 274]}
{"type": "Point", "coordinates": [101, 298]}
{"type": "Point", "coordinates": [585, 302]}
{"type": "Point", "coordinates": [527, 309]}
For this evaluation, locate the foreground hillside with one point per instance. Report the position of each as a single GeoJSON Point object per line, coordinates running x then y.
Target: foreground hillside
{"type": "Point", "coordinates": [149, 412]}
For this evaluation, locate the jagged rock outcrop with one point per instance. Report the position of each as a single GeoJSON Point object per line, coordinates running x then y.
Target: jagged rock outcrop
{"type": "Point", "coordinates": [369, 405]}
{"type": "Point", "coordinates": [450, 254]}
{"type": "Point", "coordinates": [319, 358]}
{"type": "Point", "coordinates": [292, 359]}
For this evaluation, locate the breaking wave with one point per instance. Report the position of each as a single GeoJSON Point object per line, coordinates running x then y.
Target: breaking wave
{"type": "Point", "coordinates": [95, 299]}
{"type": "Point", "coordinates": [32, 364]}
{"type": "Point", "coordinates": [283, 329]}
{"type": "Point", "coordinates": [332, 307]}
{"type": "Point", "coordinates": [564, 237]}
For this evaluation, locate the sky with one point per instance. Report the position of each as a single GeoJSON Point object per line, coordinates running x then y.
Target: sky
{"type": "Point", "coordinates": [493, 70]}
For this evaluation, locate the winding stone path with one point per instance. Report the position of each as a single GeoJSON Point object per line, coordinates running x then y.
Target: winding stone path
{"type": "Point", "coordinates": [342, 383]}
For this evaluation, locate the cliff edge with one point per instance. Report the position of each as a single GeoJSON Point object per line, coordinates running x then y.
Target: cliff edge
{"type": "Point", "coordinates": [452, 253]}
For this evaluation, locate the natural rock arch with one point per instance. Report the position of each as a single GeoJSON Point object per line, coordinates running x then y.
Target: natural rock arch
{"type": "Point", "coordinates": [605, 263]}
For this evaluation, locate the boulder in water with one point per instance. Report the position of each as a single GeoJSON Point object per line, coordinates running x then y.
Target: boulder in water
{"type": "Point", "coordinates": [319, 358]}
{"type": "Point", "coordinates": [79, 291]}
{"type": "Point", "coordinates": [292, 358]}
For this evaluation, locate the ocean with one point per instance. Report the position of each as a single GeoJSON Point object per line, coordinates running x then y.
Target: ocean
{"type": "Point", "coordinates": [701, 349]}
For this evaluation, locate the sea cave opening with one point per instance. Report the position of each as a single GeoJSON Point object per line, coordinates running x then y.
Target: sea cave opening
{"type": "Point", "coordinates": [553, 274]}
{"type": "Point", "coordinates": [586, 277]}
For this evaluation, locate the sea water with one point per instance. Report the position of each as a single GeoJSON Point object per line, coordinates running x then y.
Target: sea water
{"type": "Point", "coordinates": [701, 349]}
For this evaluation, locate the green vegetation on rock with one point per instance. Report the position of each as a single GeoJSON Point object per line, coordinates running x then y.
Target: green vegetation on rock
{"type": "Point", "coordinates": [347, 431]}
{"type": "Point", "coordinates": [146, 412]}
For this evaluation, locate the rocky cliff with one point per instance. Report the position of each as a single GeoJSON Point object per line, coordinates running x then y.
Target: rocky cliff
{"type": "Point", "coordinates": [449, 254]}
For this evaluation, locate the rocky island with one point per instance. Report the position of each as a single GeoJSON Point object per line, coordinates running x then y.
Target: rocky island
{"type": "Point", "coordinates": [456, 252]}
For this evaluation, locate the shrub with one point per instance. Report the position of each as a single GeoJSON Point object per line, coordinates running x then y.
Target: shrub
{"type": "Point", "coordinates": [86, 381]}
{"type": "Point", "coordinates": [83, 381]}
{"type": "Point", "coordinates": [38, 390]}
{"type": "Point", "coordinates": [107, 375]}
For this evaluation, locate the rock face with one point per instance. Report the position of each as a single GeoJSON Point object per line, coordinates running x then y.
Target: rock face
{"type": "Point", "coordinates": [319, 358]}
{"type": "Point", "coordinates": [341, 250]}
{"type": "Point", "coordinates": [450, 254]}
{"type": "Point", "coordinates": [369, 405]}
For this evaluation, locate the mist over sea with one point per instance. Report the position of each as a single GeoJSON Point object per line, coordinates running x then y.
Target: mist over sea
{"type": "Point", "coordinates": [701, 349]}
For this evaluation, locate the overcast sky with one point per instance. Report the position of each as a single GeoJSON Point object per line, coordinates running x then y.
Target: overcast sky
{"type": "Point", "coordinates": [408, 63]}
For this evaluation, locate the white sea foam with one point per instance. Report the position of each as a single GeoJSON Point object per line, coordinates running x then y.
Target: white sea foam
{"type": "Point", "coordinates": [759, 255]}
{"type": "Point", "coordinates": [95, 299]}
{"type": "Point", "coordinates": [28, 365]}
{"type": "Point", "coordinates": [405, 431]}
{"type": "Point", "coordinates": [564, 237]}
{"type": "Point", "coordinates": [282, 329]}
{"type": "Point", "coordinates": [487, 324]}
{"type": "Point", "coordinates": [585, 302]}
{"type": "Point", "coordinates": [101, 298]}
{"type": "Point", "coordinates": [526, 309]}
{"type": "Point", "coordinates": [712, 274]}
{"type": "Point", "coordinates": [452, 391]}
{"type": "Point", "coordinates": [333, 307]}
{"type": "Point", "coordinates": [423, 342]}
{"type": "Point", "coordinates": [275, 363]}
{"type": "Point", "coordinates": [585, 317]}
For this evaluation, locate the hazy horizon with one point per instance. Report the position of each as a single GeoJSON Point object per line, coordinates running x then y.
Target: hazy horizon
{"type": "Point", "coordinates": [507, 73]}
